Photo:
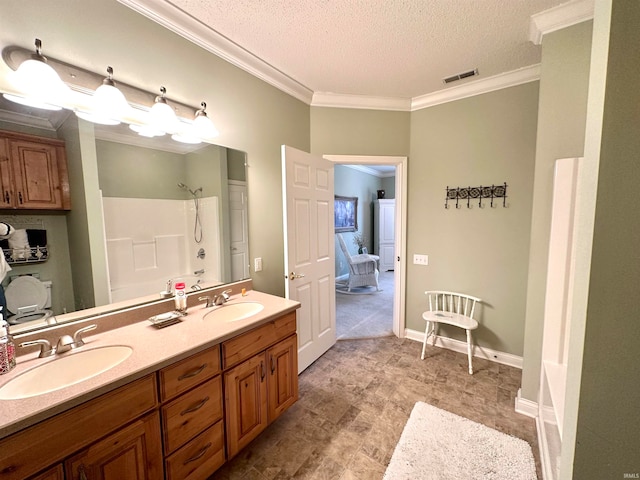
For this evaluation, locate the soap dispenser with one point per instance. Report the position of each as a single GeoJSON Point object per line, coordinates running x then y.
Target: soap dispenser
{"type": "Point", "coordinates": [7, 348]}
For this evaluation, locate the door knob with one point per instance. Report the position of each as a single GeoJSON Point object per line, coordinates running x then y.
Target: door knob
{"type": "Point", "coordinates": [293, 275]}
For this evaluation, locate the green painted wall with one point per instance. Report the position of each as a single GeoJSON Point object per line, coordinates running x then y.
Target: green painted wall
{"type": "Point", "coordinates": [251, 115]}
{"type": "Point", "coordinates": [608, 421]}
{"type": "Point", "coordinates": [564, 80]}
{"type": "Point", "coordinates": [483, 140]}
{"type": "Point", "coordinates": [342, 131]}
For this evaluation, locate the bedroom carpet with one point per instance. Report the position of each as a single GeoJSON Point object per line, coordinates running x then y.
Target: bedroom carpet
{"type": "Point", "coordinates": [366, 313]}
{"type": "Point", "coordinates": [438, 445]}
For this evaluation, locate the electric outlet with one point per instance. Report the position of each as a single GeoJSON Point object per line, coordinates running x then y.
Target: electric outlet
{"type": "Point", "coordinates": [257, 264]}
{"type": "Point", "coordinates": [420, 259]}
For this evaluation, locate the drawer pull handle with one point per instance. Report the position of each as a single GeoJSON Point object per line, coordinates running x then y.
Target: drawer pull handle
{"type": "Point", "coordinates": [193, 373]}
{"type": "Point", "coordinates": [81, 473]}
{"type": "Point", "coordinates": [199, 454]}
{"type": "Point", "coordinates": [194, 408]}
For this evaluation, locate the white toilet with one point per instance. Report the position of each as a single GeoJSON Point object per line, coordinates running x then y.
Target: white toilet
{"type": "Point", "coordinates": [28, 299]}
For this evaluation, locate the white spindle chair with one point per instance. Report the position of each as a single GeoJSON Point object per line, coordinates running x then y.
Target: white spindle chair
{"type": "Point", "coordinates": [450, 308]}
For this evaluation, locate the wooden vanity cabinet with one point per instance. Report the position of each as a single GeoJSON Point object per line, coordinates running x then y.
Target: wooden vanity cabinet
{"type": "Point", "coordinates": [33, 173]}
{"type": "Point", "coordinates": [262, 381]}
{"type": "Point", "coordinates": [123, 454]}
{"type": "Point", "coordinates": [54, 440]}
{"type": "Point", "coordinates": [171, 424]}
{"type": "Point", "coordinates": [192, 416]}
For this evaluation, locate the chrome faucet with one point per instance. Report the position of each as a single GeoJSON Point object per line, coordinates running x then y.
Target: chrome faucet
{"type": "Point", "coordinates": [45, 347]}
{"type": "Point", "coordinates": [216, 300]}
{"type": "Point", "coordinates": [67, 342]}
{"type": "Point", "coordinates": [221, 298]}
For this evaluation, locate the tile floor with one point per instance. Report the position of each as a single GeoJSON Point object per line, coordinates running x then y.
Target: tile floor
{"type": "Point", "coordinates": [355, 401]}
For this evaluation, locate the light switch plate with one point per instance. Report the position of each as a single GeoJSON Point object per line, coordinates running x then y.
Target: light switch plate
{"type": "Point", "coordinates": [257, 264]}
{"type": "Point", "coordinates": [420, 259]}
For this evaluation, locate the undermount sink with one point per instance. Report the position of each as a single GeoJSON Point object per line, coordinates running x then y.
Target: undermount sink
{"type": "Point", "coordinates": [64, 371]}
{"type": "Point", "coordinates": [232, 312]}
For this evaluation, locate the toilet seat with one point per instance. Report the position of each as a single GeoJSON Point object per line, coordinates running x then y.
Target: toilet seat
{"type": "Point", "coordinates": [26, 297]}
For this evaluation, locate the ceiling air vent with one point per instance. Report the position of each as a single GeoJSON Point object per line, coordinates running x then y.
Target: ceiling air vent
{"type": "Point", "coordinates": [460, 76]}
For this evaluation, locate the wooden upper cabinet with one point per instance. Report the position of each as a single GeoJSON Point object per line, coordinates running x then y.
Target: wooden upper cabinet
{"type": "Point", "coordinates": [33, 173]}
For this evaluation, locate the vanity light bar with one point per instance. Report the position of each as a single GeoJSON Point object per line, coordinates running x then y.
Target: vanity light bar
{"type": "Point", "coordinates": [85, 82]}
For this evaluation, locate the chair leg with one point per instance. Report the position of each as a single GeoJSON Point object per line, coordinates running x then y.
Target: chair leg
{"type": "Point", "coordinates": [469, 351]}
{"type": "Point", "coordinates": [435, 327]}
{"type": "Point", "coordinates": [424, 344]}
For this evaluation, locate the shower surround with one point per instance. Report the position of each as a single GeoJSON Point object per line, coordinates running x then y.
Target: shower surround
{"type": "Point", "coordinates": [151, 241]}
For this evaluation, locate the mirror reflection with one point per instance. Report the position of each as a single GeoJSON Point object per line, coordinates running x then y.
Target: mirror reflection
{"type": "Point", "coordinates": [145, 214]}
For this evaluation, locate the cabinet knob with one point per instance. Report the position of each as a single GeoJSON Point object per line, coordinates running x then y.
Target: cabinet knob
{"type": "Point", "coordinates": [262, 371]}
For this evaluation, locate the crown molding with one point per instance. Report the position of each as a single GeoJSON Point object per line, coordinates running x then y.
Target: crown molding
{"type": "Point", "coordinates": [559, 17]}
{"type": "Point", "coordinates": [371, 171]}
{"type": "Point", "coordinates": [176, 20]}
{"type": "Point", "coordinates": [337, 100]}
{"type": "Point", "coordinates": [478, 87]}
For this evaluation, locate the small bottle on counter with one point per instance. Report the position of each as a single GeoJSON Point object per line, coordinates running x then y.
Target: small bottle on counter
{"type": "Point", "coordinates": [180, 297]}
{"type": "Point", "coordinates": [7, 348]}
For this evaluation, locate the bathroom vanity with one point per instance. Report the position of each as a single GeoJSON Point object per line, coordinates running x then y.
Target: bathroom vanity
{"type": "Point", "coordinates": [187, 399]}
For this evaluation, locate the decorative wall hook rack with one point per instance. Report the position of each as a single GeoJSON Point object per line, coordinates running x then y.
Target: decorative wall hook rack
{"type": "Point", "coordinates": [471, 194]}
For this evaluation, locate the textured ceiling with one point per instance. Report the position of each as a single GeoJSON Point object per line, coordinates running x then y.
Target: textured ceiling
{"type": "Point", "coordinates": [389, 48]}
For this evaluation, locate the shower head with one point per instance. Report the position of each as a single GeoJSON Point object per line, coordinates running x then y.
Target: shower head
{"type": "Point", "coordinates": [192, 192]}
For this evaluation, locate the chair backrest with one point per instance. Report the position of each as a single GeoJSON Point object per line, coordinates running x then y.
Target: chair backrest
{"type": "Point", "coordinates": [343, 247]}
{"type": "Point", "coordinates": [454, 302]}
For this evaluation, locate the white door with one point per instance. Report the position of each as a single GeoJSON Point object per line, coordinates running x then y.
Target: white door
{"type": "Point", "coordinates": [309, 250]}
{"type": "Point", "coordinates": [239, 231]}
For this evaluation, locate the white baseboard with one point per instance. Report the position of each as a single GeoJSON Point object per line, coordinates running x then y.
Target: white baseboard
{"type": "Point", "coordinates": [526, 407]}
{"type": "Point", "coordinates": [460, 346]}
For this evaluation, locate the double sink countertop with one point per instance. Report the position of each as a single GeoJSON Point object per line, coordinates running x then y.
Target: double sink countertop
{"type": "Point", "coordinates": [153, 349]}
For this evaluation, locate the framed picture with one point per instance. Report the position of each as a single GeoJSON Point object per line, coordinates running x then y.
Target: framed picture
{"type": "Point", "coordinates": [345, 213]}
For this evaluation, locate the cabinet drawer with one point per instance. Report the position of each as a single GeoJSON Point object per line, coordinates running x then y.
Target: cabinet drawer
{"type": "Point", "coordinates": [48, 442]}
{"type": "Point", "coordinates": [191, 413]}
{"type": "Point", "coordinates": [199, 458]}
{"type": "Point", "coordinates": [191, 371]}
{"type": "Point", "coordinates": [248, 344]}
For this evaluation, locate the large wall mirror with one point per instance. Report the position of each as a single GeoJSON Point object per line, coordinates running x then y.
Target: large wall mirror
{"type": "Point", "coordinates": [145, 214]}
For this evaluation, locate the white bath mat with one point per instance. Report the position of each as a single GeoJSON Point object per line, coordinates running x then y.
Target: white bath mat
{"type": "Point", "coordinates": [438, 445]}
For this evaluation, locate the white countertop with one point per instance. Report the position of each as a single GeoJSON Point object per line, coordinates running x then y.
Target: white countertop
{"type": "Point", "coordinates": [153, 349]}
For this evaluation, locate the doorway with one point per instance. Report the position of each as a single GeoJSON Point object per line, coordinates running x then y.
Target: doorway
{"type": "Point", "coordinates": [391, 278]}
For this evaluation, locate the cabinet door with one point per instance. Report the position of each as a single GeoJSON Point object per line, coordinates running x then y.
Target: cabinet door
{"type": "Point", "coordinates": [134, 453]}
{"type": "Point", "coordinates": [245, 402]}
{"type": "Point", "coordinates": [5, 174]}
{"type": "Point", "coordinates": [37, 180]}
{"type": "Point", "coordinates": [282, 359]}
{"type": "Point", "coordinates": [54, 473]}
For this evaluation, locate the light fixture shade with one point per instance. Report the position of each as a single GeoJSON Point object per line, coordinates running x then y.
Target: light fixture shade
{"type": "Point", "coordinates": [203, 127]}
{"type": "Point", "coordinates": [108, 105]}
{"type": "Point", "coordinates": [38, 85]}
{"type": "Point", "coordinates": [162, 117]}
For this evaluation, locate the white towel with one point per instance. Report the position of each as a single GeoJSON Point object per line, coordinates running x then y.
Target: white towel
{"type": "Point", "coordinates": [6, 230]}
{"type": "Point", "coordinates": [19, 244]}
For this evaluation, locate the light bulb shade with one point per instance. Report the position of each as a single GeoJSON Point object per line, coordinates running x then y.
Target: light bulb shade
{"type": "Point", "coordinates": [38, 85]}
{"type": "Point", "coordinates": [108, 106]}
{"type": "Point", "coordinates": [146, 130]}
{"type": "Point", "coordinates": [204, 128]}
{"type": "Point", "coordinates": [185, 138]}
{"type": "Point", "coordinates": [162, 117]}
